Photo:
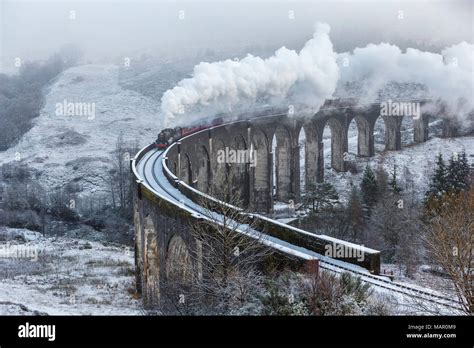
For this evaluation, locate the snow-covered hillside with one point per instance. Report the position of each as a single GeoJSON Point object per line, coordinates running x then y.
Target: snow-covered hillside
{"type": "Point", "coordinates": [65, 148]}
{"type": "Point", "coordinates": [77, 148]}
{"type": "Point", "coordinates": [414, 164]}
{"type": "Point", "coordinates": [64, 276]}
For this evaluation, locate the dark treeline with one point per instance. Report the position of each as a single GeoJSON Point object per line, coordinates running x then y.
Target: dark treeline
{"type": "Point", "coordinates": [68, 210]}
{"type": "Point", "coordinates": [22, 95]}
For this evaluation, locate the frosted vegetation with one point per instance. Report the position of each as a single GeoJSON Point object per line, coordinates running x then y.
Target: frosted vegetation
{"type": "Point", "coordinates": [64, 276]}
{"type": "Point", "coordinates": [67, 195]}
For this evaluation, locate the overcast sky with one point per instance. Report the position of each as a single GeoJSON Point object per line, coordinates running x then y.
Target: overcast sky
{"type": "Point", "coordinates": [108, 30]}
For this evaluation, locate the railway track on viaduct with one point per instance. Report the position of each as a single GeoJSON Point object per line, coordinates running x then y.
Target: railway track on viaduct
{"type": "Point", "coordinates": [153, 175]}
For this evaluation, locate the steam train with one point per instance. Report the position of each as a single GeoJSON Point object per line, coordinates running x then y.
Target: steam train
{"type": "Point", "coordinates": [169, 135]}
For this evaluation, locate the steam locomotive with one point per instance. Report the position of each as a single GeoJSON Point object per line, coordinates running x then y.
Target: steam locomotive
{"type": "Point", "coordinates": [169, 135]}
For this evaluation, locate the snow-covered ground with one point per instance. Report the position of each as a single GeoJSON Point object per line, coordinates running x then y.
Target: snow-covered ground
{"type": "Point", "coordinates": [414, 163]}
{"type": "Point", "coordinates": [71, 276]}
{"type": "Point", "coordinates": [64, 276]}
{"type": "Point", "coordinates": [77, 148]}
{"type": "Point", "coordinates": [425, 277]}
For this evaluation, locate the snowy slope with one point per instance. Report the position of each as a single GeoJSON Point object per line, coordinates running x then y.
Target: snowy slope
{"type": "Point", "coordinates": [64, 276]}
{"type": "Point", "coordinates": [414, 164]}
{"type": "Point", "coordinates": [65, 148]}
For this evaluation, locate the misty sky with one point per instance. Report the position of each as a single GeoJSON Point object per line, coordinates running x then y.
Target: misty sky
{"type": "Point", "coordinates": [108, 30]}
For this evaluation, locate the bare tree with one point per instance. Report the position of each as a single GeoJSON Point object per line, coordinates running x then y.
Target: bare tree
{"type": "Point", "coordinates": [450, 242]}
{"type": "Point", "coordinates": [120, 176]}
{"type": "Point", "coordinates": [228, 259]}
{"type": "Point", "coordinates": [394, 228]}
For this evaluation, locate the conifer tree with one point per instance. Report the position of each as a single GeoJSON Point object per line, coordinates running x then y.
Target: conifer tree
{"type": "Point", "coordinates": [369, 188]}
{"type": "Point", "coordinates": [438, 181]}
{"type": "Point", "coordinates": [382, 180]}
{"type": "Point", "coordinates": [355, 214]}
{"type": "Point", "coordinates": [394, 182]}
{"type": "Point", "coordinates": [457, 173]}
{"type": "Point", "coordinates": [321, 196]}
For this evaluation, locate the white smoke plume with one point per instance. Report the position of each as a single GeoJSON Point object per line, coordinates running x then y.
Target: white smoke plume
{"type": "Point", "coordinates": [305, 78]}
{"type": "Point", "coordinates": [308, 77]}
{"type": "Point", "coordinates": [448, 77]}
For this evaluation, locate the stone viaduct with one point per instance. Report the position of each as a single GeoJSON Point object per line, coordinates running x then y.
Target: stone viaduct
{"type": "Point", "coordinates": [195, 160]}
{"type": "Point", "coordinates": [164, 247]}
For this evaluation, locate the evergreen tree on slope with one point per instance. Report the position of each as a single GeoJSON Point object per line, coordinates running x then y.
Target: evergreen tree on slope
{"type": "Point", "coordinates": [369, 189]}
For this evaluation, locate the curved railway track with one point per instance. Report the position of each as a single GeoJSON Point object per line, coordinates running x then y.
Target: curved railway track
{"type": "Point", "coordinates": [148, 174]}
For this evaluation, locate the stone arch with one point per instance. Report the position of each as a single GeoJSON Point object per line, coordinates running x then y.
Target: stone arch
{"type": "Point", "coordinates": [281, 146]}
{"type": "Point", "coordinates": [365, 136]}
{"type": "Point", "coordinates": [314, 155]}
{"type": "Point", "coordinates": [302, 153]}
{"type": "Point", "coordinates": [410, 129]}
{"type": "Point", "coordinates": [151, 264]}
{"type": "Point", "coordinates": [380, 129]}
{"type": "Point", "coordinates": [178, 261]}
{"type": "Point", "coordinates": [450, 128]}
{"type": "Point", "coordinates": [238, 171]}
{"type": "Point", "coordinates": [138, 249]}
{"type": "Point", "coordinates": [239, 142]}
{"type": "Point", "coordinates": [218, 167]}
{"type": "Point", "coordinates": [202, 171]}
{"type": "Point", "coordinates": [185, 170]}
{"type": "Point", "coordinates": [338, 143]}
{"type": "Point", "coordinates": [393, 137]}
{"type": "Point", "coordinates": [260, 172]}
{"type": "Point", "coordinates": [421, 128]}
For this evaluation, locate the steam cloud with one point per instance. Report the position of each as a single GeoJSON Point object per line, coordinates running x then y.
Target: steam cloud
{"type": "Point", "coordinates": [309, 77]}
{"type": "Point", "coordinates": [448, 76]}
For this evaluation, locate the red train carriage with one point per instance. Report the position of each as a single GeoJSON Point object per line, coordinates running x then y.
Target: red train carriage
{"type": "Point", "coordinates": [169, 135]}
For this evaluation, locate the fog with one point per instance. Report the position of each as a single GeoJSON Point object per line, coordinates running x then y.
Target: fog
{"type": "Point", "coordinates": [311, 75]}
{"type": "Point", "coordinates": [108, 30]}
